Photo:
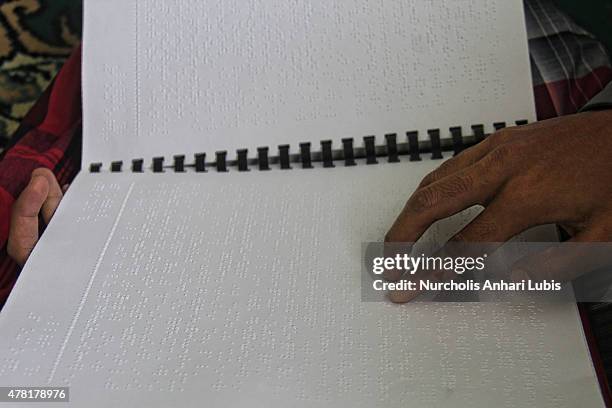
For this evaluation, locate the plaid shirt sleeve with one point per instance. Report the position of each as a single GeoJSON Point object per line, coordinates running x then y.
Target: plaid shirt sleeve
{"type": "Point", "coordinates": [569, 66]}
{"type": "Point", "coordinates": [50, 137]}
{"type": "Point", "coordinates": [602, 100]}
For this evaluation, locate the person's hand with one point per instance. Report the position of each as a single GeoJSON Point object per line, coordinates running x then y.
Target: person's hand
{"type": "Point", "coordinates": [554, 171]}
{"type": "Point", "coordinates": [40, 197]}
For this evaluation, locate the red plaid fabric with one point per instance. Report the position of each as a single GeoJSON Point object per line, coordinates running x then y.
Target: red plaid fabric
{"type": "Point", "coordinates": [569, 67]}
{"type": "Point", "coordinates": [48, 137]}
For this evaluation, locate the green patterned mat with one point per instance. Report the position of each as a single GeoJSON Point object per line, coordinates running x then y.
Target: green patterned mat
{"type": "Point", "coordinates": [36, 36]}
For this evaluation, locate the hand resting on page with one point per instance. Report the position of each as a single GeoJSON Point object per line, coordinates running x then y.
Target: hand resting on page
{"type": "Point", "coordinates": [555, 171]}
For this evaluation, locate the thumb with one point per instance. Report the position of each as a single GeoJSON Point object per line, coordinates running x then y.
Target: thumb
{"type": "Point", "coordinates": [23, 233]}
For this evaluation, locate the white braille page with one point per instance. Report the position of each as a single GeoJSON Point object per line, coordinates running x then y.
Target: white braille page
{"type": "Point", "coordinates": [173, 77]}
{"type": "Point", "coordinates": [243, 290]}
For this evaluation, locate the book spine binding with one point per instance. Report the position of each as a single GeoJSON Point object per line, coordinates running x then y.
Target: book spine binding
{"type": "Point", "coordinates": [392, 151]}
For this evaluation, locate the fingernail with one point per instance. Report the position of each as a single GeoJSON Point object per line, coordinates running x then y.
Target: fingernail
{"type": "Point", "coordinates": [397, 296]}
{"type": "Point", "coordinates": [402, 296]}
{"type": "Point", "coordinates": [519, 275]}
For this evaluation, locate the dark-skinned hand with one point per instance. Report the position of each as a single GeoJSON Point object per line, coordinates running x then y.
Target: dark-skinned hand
{"type": "Point", "coordinates": [555, 171]}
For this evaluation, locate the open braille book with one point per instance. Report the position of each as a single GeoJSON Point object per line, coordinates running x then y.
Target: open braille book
{"type": "Point", "coordinates": [236, 154]}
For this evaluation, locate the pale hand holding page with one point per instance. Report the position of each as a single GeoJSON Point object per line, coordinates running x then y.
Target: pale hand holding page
{"type": "Point", "coordinates": [242, 289]}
